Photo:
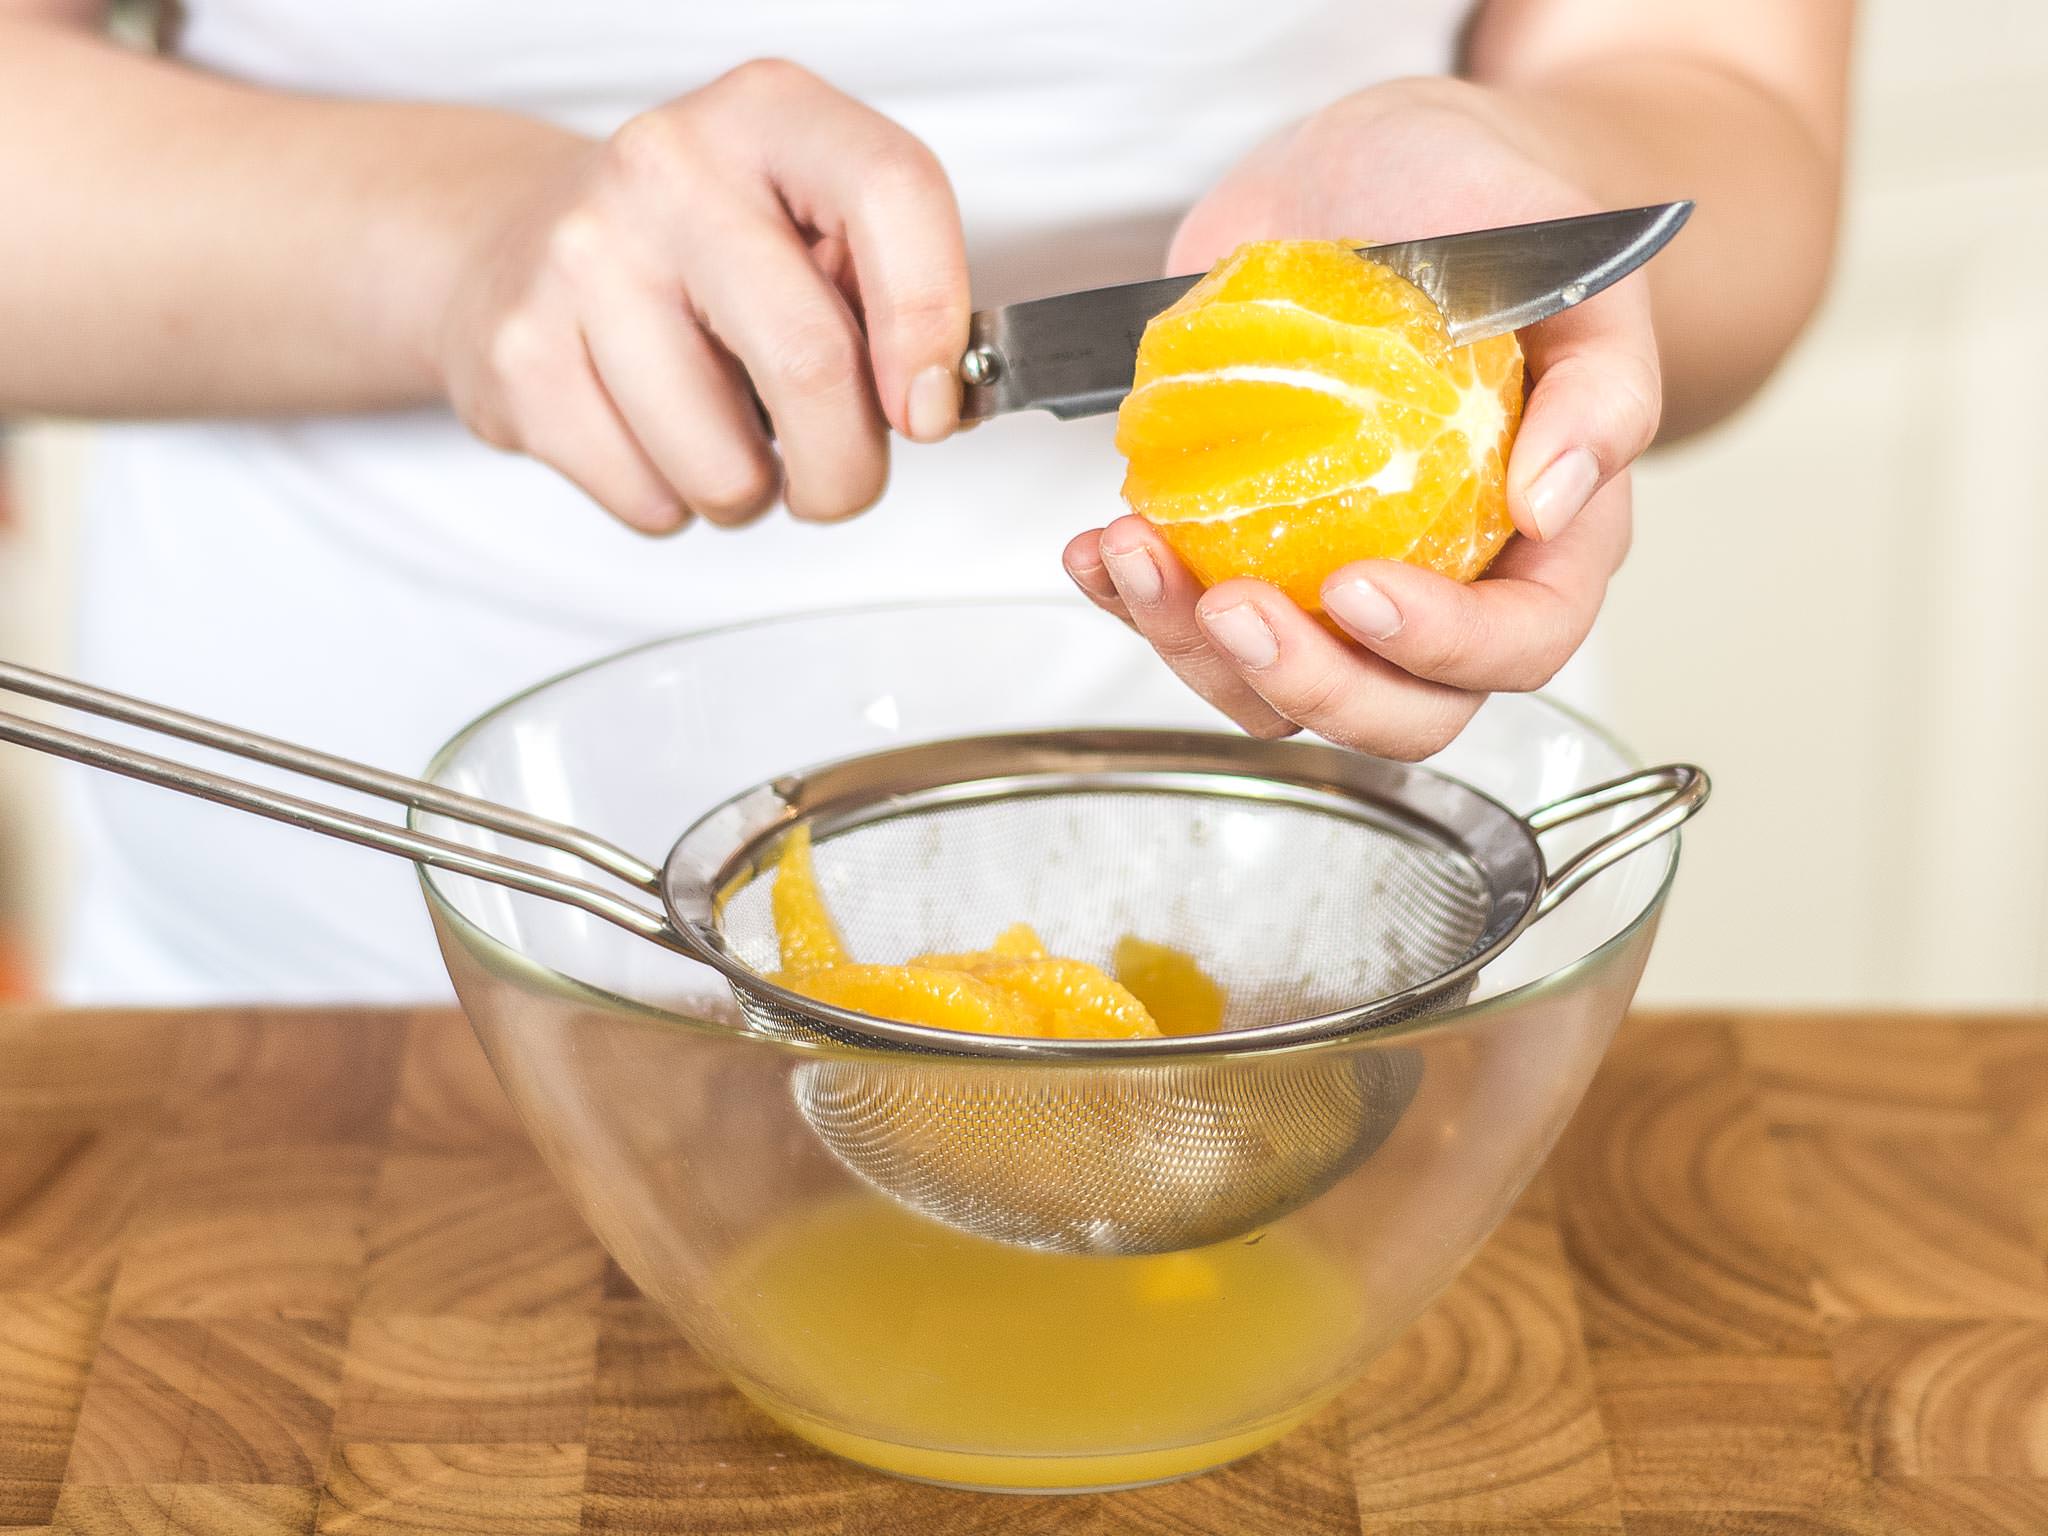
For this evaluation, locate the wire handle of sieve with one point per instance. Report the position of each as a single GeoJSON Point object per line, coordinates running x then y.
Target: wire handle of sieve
{"type": "Point", "coordinates": [332, 820]}
{"type": "Point", "coordinates": [1682, 789]}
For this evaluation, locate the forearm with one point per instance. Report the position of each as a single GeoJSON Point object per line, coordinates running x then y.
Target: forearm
{"type": "Point", "coordinates": [1733, 291]}
{"type": "Point", "coordinates": [1740, 108]}
{"type": "Point", "coordinates": [178, 244]}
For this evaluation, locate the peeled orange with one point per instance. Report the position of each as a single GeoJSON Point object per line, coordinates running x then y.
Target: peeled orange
{"type": "Point", "coordinates": [1302, 407]}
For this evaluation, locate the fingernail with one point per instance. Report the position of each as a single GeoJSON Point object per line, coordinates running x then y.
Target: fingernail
{"type": "Point", "coordinates": [1243, 632]}
{"type": "Point", "coordinates": [934, 405]}
{"type": "Point", "coordinates": [659, 520]}
{"type": "Point", "coordinates": [1362, 608]}
{"type": "Point", "coordinates": [1561, 490]}
{"type": "Point", "coordinates": [1135, 574]}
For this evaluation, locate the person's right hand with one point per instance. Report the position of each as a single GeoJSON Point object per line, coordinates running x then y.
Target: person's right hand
{"type": "Point", "coordinates": [764, 238]}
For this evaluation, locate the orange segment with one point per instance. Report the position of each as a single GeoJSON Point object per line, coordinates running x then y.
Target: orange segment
{"type": "Point", "coordinates": [1082, 1002]}
{"type": "Point", "coordinates": [968, 960]}
{"type": "Point", "coordinates": [804, 929]}
{"type": "Point", "coordinates": [1179, 995]}
{"type": "Point", "coordinates": [1179, 416]}
{"type": "Point", "coordinates": [915, 994]}
{"type": "Point", "coordinates": [1322, 276]}
{"type": "Point", "coordinates": [1226, 337]}
{"type": "Point", "coordinates": [1019, 941]}
{"type": "Point", "coordinates": [1014, 987]}
{"type": "Point", "coordinates": [1301, 408]}
{"type": "Point", "coordinates": [1273, 472]}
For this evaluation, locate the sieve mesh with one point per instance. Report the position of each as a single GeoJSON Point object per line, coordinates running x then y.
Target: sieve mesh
{"type": "Point", "coordinates": [1171, 1155]}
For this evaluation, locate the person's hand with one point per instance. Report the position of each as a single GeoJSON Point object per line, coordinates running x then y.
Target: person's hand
{"type": "Point", "coordinates": [765, 238]}
{"type": "Point", "coordinates": [1403, 160]}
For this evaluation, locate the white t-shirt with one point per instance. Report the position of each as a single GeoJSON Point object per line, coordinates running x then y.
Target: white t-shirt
{"type": "Point", "coordinates": [366, 584]}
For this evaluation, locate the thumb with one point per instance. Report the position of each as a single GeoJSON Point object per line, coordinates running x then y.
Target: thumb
{"type": "Point", "coordinates": [1248, 204]}
{"type": "Point", "coordinates": [1595, 406]}
{"type": "Point", "coordinates": [1210, 232]}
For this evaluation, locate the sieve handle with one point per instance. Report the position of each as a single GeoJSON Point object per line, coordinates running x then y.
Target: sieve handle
{"type": "Point", "coordinates": [333, 820]}
{"type": "Point", "coordinates": [1680, 790]}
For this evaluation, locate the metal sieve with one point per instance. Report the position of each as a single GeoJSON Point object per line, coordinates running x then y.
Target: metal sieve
{"type": "Point", "coordinates": [1330, 893]}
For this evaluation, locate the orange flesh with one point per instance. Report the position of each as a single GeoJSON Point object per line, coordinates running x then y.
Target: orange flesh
{"type": "Point", "coordinates": [918, 994]}
{"type": "Point", "coordinates": [1014, 987]}
{"type": "Point", "coordinates": [804, 929]}
{"type": "Point", "coordinates": [1173, 989]}
{"type": "Point", "coordinates": [1078, 1001]}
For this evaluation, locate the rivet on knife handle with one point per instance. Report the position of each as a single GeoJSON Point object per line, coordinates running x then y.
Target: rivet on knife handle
{"type": "Point", "coordinates": [979, 366]}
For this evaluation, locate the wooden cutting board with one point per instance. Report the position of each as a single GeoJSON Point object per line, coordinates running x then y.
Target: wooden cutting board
{"type": "Point", "coordinates": [268, 1273]}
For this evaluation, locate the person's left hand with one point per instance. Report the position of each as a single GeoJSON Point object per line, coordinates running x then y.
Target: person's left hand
{"type": "Point", "coordinates": [1402, 160]}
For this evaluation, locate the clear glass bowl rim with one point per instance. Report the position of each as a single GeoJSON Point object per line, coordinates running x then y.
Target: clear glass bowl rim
{"type": "Point", "coordinates": [486, 946]}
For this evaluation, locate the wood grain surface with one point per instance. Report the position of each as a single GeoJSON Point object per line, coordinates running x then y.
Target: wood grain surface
{"type": "Point", "coordinates": [275, 1274]}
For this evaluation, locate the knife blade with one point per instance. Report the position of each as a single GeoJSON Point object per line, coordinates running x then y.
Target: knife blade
{"type": "Point", "coordinates": [1073, 354]}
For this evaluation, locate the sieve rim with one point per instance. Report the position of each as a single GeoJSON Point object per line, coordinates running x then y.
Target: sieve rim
{"type": "Point", "coordinates": [726, 844]}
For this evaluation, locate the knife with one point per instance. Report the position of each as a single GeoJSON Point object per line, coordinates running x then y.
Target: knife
{"type": "Point", "coordinates": [1073, 354]}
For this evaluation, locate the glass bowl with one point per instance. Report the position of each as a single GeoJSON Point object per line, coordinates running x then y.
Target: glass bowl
{"type": "Point", "coordinates": [878, 1333]}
